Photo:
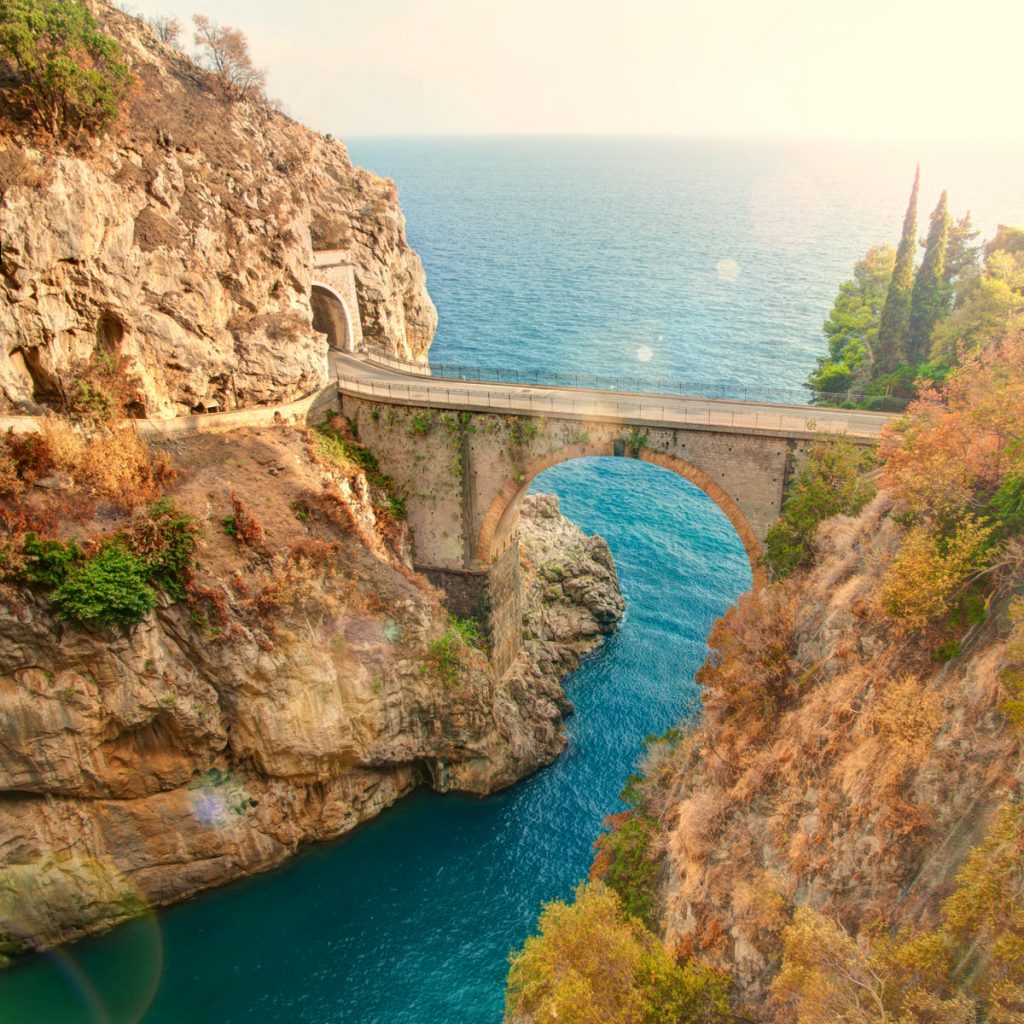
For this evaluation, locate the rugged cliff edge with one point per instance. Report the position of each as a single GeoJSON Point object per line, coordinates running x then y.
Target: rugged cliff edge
{"type": "Point", "coordinates": [183, 240]}
{"type": "Point", "coordinates": [839, 766]}
{"type": "Point", "coordinates": [311, 680]}
{"type": "Point", "coordinates": [255, 664]}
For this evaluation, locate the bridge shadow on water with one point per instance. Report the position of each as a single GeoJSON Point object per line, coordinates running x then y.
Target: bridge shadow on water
{"type": "Point", "coordinates": [410, 919]}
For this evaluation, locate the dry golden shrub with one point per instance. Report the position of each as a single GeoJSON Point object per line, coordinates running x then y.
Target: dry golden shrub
{"type": "Point", "coordinates": [930, 571]}
{"type": "Point", "coordinates": [893, 737]}
{"type": "Point", "coordinates": [761, 905]}
{"type": "Point", "coordinates": [748, 678]}
{"type": "Point", "coordinates": [701, 821]}
{"type": "Point", "coordinates": [247, 527]}
{"type": "Point", "coordinates": [115, 463]}
{"type": "Point", "coordinates": [10, 482]}
{"type": "Point", "coordinates": [298, 582]}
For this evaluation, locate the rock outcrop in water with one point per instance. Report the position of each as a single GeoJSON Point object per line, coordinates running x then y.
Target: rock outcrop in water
{"type": "Point", "coordinates": [572, 595]}
{"type": "Point", "coordinates": [183, 241]}
{"type": "Point", "coordinates": [314, 681]}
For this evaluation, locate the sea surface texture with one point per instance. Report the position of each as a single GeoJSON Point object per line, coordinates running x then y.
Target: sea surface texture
{"type": "Point", "coordinates": [654, 259]}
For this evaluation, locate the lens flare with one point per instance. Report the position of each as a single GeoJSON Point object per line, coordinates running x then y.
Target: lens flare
{"type": "Point", "coordinates": [32, 895]}
{"type": "Point", "coordinates": [727, 270]}
{"type": "Point", "coordinates": [644, 353]}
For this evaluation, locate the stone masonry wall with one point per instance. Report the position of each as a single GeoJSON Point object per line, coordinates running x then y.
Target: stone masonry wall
{"type": "Point", "coordinates": [464, 475]}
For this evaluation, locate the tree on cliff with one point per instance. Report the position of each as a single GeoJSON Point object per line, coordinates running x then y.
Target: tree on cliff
{"type": "Point", "coordinates": [592, 963]}
{"type": "Point", "coordinates": [961, 254]}
{"type": "Point", "coordinates": [852, 327]}
{"type": "Point", "coordinates": [225, 52]}
{"type": "Point", "coordinates": [930, 299]}
{"type": "Point", "coordinates": [167, 29]}
{"type": "Point", "coordinates": [987, 304]}
{"type": "Point", "coordinates": [894, 327]}
{"type": "Point", "coordinates": [71, 76]}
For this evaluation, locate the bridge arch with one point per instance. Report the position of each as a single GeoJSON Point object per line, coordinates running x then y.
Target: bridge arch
{"type": "Point", "coordinates": [502, 517]}
{"type": "Point", "coordinates": [331, 316]}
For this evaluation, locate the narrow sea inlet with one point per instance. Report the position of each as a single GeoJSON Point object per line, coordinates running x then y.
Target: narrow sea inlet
{"type": "Point", "coordinates": [664, 259]}
{"type": "Point", "coordinates": [410, 919]}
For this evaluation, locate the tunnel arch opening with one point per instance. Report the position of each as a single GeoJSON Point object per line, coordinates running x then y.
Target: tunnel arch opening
{"type": "Point", "coordinates": [331, 317]}
{"type": "Point", "coordinates": [501, 520]}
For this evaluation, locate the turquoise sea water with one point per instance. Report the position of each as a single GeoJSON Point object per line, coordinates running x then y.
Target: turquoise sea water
{"type": "Point", "coordinates": [663, 258]}
{"type": "Point", "coordinates": [584, 254]}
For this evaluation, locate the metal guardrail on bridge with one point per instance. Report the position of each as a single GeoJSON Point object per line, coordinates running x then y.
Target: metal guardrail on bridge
{"type": "Point", "coordinates": [646, 411]}
{"type": "Point", "coordinates": [726, 391]}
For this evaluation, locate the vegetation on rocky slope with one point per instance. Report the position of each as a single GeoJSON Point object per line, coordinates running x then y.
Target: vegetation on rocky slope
{"type": "Point", "coordinates": [232, 622]}
{"type": "Point", "coordinates": [840, 833]}
{"type": "Point", "coordinates": [831, 481]}
{"type": "Point", "coordinates": [70, 76]}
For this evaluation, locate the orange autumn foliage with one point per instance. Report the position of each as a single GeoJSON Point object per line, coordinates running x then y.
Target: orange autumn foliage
{"type": "Point", "coordinates": [954, 446]}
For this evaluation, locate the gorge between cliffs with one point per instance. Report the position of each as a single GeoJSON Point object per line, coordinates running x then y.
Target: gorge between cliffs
{"type": "Point", "coordinates": [329, 698]}
{"type": "Point", "coordinates": [265, 667]}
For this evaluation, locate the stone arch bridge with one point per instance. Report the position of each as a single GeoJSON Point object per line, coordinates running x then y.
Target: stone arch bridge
{"type": "Point", "coordinates": [463, 453]}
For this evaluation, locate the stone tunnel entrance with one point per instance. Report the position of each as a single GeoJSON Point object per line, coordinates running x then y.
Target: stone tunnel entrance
{"type": "Point", "coordinates": [331, 317]}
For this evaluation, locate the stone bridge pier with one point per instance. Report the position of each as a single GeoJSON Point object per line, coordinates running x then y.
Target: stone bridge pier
{"type": "Point", "coordinates": [464, 473]}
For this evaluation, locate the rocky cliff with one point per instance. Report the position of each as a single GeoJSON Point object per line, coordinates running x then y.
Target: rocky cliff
{"type": "Point", "coordinates": [310, 680]}
{"type": "Point", "coordinates": [213, 709]}
{"type": "Point", "coordinates": [840, 766]}
{"type": "Point", "coordinates": [183, 240]}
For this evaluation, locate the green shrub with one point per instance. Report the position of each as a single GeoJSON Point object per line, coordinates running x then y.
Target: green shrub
{"type": "Point", "coordinates": [830, 482]}
{"type": "Point", "coordinates": [48, 562]}
{"type": "Point", "coordinates": [444, 656]}
{"type": "Point", "coordinates": [625, 863]}
{"type": "Point", "coordinates": [422, 422]}
{"type": "Point", "coordinates": [165, 536]}
{"type": "Point", "coordinates": [72, 76]}
{"type": "Point", "coordinates": [337, 449]}
{"type": "Point", "coordinates": [469, 630]}
{"type": "Point", "coordinates": [108, 588]}
{"type": "Point", "coordinates": [1008, 504]}
{"type": "Point", "coordinates": [334, 447]}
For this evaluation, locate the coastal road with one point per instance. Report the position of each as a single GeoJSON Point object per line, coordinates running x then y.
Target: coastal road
{"type": "Point", "coordinates": [361, 375]}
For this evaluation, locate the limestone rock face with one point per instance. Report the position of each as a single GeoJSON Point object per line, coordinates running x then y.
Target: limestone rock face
{"type": "Point", "coordinates": [183, 241]}
{"type": "Point", "coordinates": [574, 589]}
{"type": "Point", "coordinates": [860, 796]}
{"type": "Point", "coordinates": [140, 766]}
{"type": "Point", "coordinates": [571, 597]}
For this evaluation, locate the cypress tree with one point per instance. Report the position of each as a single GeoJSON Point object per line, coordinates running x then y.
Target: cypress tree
{"type": "Point", "coordinates": [894, 326]}
{"type": "Point", "coordinates": [961, 255]}
{"type": "Point", "coordinates": [929, 300]}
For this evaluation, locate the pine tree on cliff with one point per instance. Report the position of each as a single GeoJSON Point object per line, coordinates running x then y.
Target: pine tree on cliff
{"type": "Point", "coordinates": [930, 298]}
{"type": "Point", "coordinates": [894, 326]}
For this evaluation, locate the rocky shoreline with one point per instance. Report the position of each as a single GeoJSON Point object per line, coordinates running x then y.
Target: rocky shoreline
{"type": "Point", "coordinates": [140, 766]}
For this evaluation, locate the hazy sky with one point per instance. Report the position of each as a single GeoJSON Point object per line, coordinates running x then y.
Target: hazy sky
{"type": "Point", "coordinates": [921, 69]}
